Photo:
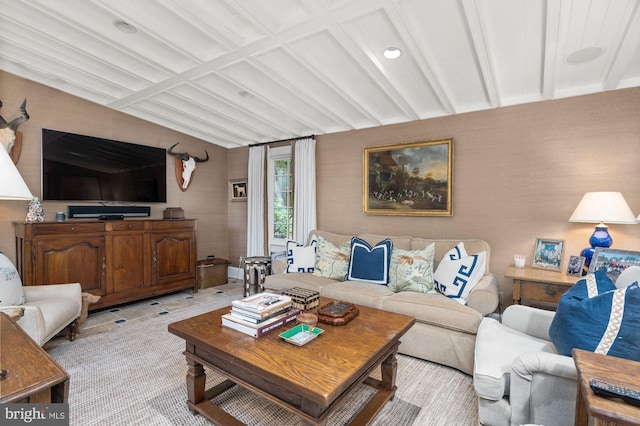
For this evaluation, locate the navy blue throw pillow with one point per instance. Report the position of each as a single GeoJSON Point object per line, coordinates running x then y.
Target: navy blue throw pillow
{"type": "Point", "coordinates": [370, 264]}
{"type": "Point", "coordinates": [595, 316]}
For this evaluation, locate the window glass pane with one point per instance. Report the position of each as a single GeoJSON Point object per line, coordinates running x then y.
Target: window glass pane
{"type": "Point", "coordinates": [281, 202]}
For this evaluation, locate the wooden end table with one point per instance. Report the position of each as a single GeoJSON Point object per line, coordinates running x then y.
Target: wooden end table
{"type": "Point", "coordinates": [32, 376]}
{"type": "Point", "coordinates": [618, 371]}
{"type": "Point", "coordinates": [539, 288]}
{"type": "Point", "coordinates": [309, 381]}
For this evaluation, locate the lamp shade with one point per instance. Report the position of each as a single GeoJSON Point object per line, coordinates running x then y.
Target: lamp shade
{"type": "Point", "coordinates": [12, 186]}
{"type": "Point", "coordinates": [603, 207]}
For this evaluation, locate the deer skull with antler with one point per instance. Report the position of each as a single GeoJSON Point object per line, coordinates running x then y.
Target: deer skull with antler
{"type": "Point", "coordinates": [8, 130]}
{"type": "Point", "coordinates": [188, 166]}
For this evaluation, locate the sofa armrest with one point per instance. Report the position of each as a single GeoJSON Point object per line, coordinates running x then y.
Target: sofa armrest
{"type": "Point", "coordinates": [526, 319]}
{"type": "Point", "coordinates": [279, 266]}
{"type": "Point", "coordinates": [543, 389]}
{"type": "Point", "coordinates": [33, 293]}
{"type": "Point", "coordinates": [484, 296]}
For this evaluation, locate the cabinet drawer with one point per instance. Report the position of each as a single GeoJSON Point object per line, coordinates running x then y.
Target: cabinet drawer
{"type": "Point", "coordinates": [67, 228]}
{"type": "Point", "coordinates": [542, 292]}
{"type": "Point", "coordinates": [127, 226]}
{"type": "Point", "coordinates": [171, 224]}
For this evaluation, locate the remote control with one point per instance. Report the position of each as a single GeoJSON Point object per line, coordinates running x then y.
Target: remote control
{"type": "Point", "coordinates": [605, 389]}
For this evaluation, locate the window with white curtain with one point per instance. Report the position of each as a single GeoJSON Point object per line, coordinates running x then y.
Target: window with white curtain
{"type": "Point", "coordinates": [280, 197]}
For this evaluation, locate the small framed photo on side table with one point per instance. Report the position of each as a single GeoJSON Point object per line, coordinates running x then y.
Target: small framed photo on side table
{"type": "Point", "coordinates": [575, 266]}
{"type": "Point", "coordinates": [547, 254]}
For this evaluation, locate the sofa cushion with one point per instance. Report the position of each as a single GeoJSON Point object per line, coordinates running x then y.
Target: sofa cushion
{"type": "Point", "coordinates": [331, 261]}
{"type": "Point", "coordinates": [301, 258]}
{"type": "Point", "coordinates": [458, 273]}
{"type": "Point", "coordinates": [412, 270]}
{"type": "Point", "coordinates": [402, 242]}
{"type": "Point", "coordinates": [281, 282]}
{"type": "Point", "coordinates": [434, 309]}
{"type": "Point", "coordinates": [442, 246]}
{"type": "Point", "coordinates": [358, 292]}
{"type": "Point", "coordinates": [370, 263]}
{"type": "Point", "coordinates": [497, 346]}
{"type": "Point", "coordinates": [594, 317]}
{"type": "Point", "coordinates": [11, 293]}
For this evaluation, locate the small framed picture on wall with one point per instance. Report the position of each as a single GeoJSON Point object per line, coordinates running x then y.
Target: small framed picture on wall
{"type": "Point", "coordinates": [575, 266]}
{"type": "Point", "coordinates": [238, 190]}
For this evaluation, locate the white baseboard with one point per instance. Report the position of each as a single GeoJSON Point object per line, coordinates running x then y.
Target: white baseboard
{"type": "Point", "coordinates": [234, 272]}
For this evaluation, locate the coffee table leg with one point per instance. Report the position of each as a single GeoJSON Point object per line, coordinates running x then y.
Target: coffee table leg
{"type": "Point", "coordinates": [389, 369]}
{"type": "Point", "coordinates": [196, 379]}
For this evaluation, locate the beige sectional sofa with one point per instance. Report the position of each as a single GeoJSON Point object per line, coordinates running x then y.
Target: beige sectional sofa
{"type": "Point", "coordinates": [444, 331]}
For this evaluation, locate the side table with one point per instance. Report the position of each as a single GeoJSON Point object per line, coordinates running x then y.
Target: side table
{"type": "Point", "coordinates": [605, 411]}
{"type": "Point", "coordinates": [540, 288]}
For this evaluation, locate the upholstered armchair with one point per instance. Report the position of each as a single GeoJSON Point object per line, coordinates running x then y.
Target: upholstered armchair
{"type": "Point", "coordinates": [518, 375]}
{"type": "Point", "coordinates": [521, 377]}
{"type": "Point", "coordinates": [47, 309]}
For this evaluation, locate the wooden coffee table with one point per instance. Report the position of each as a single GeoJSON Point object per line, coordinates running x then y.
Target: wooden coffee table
{"type": "Point", "coordinates": [310, 380]}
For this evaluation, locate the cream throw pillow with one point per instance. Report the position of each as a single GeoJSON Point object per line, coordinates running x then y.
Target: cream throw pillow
{"type": "Point", "coordinates": [11, 293]}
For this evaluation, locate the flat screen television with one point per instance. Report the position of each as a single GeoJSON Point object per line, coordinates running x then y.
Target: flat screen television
{"type": "Point", "coordinates": [86, 168]}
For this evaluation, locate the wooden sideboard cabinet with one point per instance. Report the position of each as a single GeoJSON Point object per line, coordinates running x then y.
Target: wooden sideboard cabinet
{"type": "Point", "coordinates": [120, 261]}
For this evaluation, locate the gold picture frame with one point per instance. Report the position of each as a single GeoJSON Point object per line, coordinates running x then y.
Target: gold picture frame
{"type": "Point", "coordinates": [548, 254]}
{"type": "Point", "coordinates": [409, 179]}
{"type": "Point", "coordinates": [238, 190]}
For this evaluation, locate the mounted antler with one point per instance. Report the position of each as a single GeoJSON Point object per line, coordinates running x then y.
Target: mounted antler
{"type": "Point", "coordinates": [188, 165]}
{"type": "Point", "coordinates": [8, 130]}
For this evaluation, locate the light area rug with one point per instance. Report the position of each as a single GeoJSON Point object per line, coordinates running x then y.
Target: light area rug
{"type": "Point", "coordinates": [135, 375]}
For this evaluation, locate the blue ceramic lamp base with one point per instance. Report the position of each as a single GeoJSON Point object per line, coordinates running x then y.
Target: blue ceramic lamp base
{"type": "Point", "coordinates": [599, 238]}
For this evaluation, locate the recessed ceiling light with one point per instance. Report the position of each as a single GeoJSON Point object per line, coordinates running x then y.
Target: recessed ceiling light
{"type": "Point", "coordinates": [245, 94]}
{"type": "Point", "coordinates": [124, 26]}
{"type": "Point", "coordinates": [584, 55]}
{"type": "Point", "coordinates": [392, 53]}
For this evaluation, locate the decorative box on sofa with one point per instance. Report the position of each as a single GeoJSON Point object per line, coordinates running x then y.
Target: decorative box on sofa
{"type": "Point", "coordinates": [444, 331]}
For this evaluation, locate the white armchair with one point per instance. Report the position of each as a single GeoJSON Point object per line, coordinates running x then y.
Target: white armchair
{"type": "Point", "coordinates": [518, 375]}
{"type": "Point", "coordinates": [48, 309]}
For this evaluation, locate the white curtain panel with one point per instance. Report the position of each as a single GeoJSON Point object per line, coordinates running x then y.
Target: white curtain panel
{"type": "Point", "coordinates": [304, 190]}
{"type": "Point", "coordinates": [256, 201]}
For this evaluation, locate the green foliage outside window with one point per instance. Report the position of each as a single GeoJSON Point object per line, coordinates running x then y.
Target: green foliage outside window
{"type": "Point", "coordinates": [282, 200]}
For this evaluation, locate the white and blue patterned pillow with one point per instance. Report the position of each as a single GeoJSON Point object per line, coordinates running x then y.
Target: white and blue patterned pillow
{"type": "Point", "coordinates": [11, 293]}
{"type": "Point", "coordinates": [412, 270]}
{"type": "Point", "coordinates": [301, 258]}
{"type": "Point", "coordinates": [595, 316]}
{"type": "Point", "coordinates": [370, 264]}
{"type": "Point", "coordinates": [458, 273]}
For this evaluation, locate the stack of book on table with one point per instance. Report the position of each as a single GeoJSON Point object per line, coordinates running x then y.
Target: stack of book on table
{"type": "Point", "coordinates": [259, 314]}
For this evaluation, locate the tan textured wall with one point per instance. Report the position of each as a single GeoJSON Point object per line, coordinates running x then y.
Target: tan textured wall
{"type": "Point", "coordinates": [518, 174]}
{"type": "Point", "coordinates": [205, 200]}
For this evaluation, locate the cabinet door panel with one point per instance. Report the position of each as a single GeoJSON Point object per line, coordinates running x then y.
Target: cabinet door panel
{"type": "Point", "coordinates": [127, 262]}
{"type": "Point", "coordinates": [70, 260]}
{"type": "Point", "coordinates": [173, 257]}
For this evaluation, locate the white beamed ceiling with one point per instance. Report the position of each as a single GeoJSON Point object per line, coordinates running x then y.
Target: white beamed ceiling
{"type": "Point", "coordinates": [316, 66]}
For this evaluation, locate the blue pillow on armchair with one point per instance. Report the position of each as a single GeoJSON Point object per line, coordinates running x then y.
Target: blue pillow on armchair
{"type": "Point", "coordinates": [370, 264]}
{"type": "Point", "coordinates": [595, 316]}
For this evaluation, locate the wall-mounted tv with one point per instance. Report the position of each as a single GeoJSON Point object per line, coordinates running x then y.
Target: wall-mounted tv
{"type": "Point", "coordinates": [86, 168]}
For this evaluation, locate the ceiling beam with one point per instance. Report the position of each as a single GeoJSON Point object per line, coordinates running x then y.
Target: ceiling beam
{"type": "Point", "coordinates": [483, 51]}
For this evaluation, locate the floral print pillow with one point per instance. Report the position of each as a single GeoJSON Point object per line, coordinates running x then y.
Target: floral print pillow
{"type": "Point", "coordinates": [331, 261]}
{"type": "Point", "coordinates": [412, 270]}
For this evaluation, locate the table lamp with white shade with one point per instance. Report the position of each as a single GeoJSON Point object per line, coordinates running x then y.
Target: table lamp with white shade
{"type": "Point", "coordinates": [601, 207]}
{"type": "Point", "coordinates": [12, 186]}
